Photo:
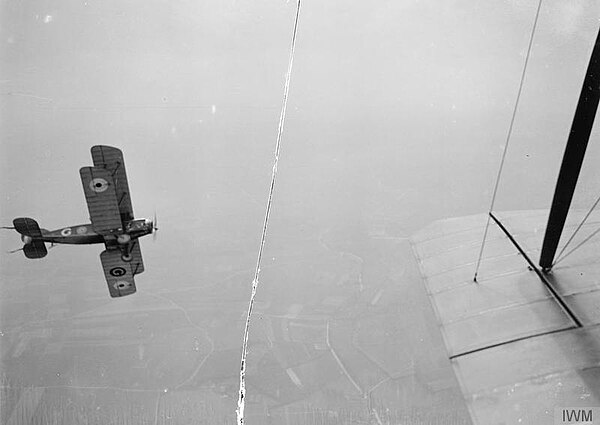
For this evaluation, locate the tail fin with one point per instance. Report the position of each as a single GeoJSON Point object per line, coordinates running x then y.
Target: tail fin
{"type": "Point", "coordinates": [35, 249]}
{"type": "Point", "coordinates": [27, 227]}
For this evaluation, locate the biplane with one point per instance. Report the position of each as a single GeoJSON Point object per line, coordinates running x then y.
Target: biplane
{"type": "Point", "coordinates": [112, 223]}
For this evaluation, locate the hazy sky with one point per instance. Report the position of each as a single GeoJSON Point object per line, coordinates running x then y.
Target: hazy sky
{"type": "Point", "coordinates": [397, 116]}
{"type": "Point", "coordinates": [196, 87]}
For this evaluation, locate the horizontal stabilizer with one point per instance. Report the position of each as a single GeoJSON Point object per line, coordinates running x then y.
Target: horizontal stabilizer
{"type": "Point", "coordinates": [28, 227]}
{"type": "Point", "coordinates": [35, 249]}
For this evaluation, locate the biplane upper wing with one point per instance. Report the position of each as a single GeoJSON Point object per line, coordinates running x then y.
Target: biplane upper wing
{"type": "Point", "coordinates": [120, 274]}
{"type": "Point", "coordinates": [111, 159]}
{"type": "Point", "coordinates": [101, 197]}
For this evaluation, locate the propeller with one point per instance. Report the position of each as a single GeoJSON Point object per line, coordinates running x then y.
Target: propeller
{"type": "Point", "coordinates": [7, 228]}
{"type": "Point", "coordinates": [154, 227]}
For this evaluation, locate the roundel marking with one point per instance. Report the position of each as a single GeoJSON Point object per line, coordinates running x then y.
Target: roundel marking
{"type": "Point", "coordinates": [117, 271]}
{"type": "Point", "coordinates": [82, 230]}
{"type": "Point", "coordinates": [121, 284]}
{"type": "Point", "coordinates": [66, 231]}
{"type": "Point", "coordinates": [98, 185]}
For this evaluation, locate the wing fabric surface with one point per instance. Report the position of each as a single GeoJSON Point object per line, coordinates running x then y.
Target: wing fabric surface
{"type": "Point", "coordinates": [119, 274]}
{"type": "Point", "coordinates": [111, 159]}
{"type": "Point", "coordinates": [509, 302]}
{"type": "Point", "coordinates": [101, 198]}
{"type": "Point", "coordinates": [510, 320]}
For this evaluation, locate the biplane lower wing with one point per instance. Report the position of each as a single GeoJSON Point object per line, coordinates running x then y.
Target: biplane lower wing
{"type": "Point", "coordinates": [101, 197]}
{"type": "Point", "coordinates": [510, 319]}
{"type": "Point", "coordinates": [119, 273]}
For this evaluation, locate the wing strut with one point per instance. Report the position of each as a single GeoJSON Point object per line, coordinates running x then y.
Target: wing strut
{"type": "Point", "coordinates": [579, 136]}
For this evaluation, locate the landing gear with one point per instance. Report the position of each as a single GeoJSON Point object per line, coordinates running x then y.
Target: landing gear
{"type": "Point", "coordinates": [125, 243]}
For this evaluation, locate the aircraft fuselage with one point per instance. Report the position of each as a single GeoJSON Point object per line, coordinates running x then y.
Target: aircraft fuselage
{"type": "Point", "coordinates": [81, 234]}
{"type": "Point", "coordinates": [84, 234]}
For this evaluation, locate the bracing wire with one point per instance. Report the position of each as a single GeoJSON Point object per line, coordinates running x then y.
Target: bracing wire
{"type": "Point", "coordinates": [255, 280]}
{"type": "Point", "coordinates": [558, 257]}
{"type": "Point", "coordinates": [594, 233]}
{"type": "Point", "coordinates": [508, 136]}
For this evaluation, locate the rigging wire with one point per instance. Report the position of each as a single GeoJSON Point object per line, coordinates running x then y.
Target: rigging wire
{"type": "Point", "coordinates": [508, 136]}
{"type": "Point", "coordinates": [558, 257]}
{"type": "Point", "coordinates": [255, 280]}
{"type": "Point", "coordinates": [578, 246]}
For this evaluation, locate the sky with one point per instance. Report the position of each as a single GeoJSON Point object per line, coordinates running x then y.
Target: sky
{"type": "Point", "coordinates": [397, 116]}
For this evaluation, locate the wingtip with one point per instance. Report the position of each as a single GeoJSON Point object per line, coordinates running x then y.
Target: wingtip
{"type": "Point", "coordinates": [101, 147]}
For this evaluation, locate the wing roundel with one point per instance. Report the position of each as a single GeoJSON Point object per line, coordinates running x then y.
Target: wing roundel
{"type": "Point", "coordinates": [99, 189]}
{"type": "Point", "coordinates": [111, 159]}
{"type": "Point", "coordinates": [119, 274]}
